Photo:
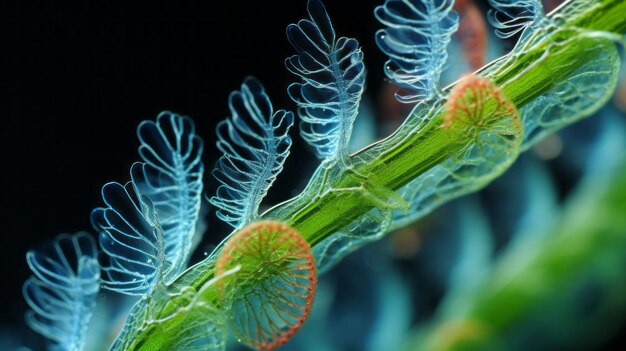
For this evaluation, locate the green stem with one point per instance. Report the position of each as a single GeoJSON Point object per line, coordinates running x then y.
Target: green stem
{"type": "Point", "coordinates": [410, 152]}
{"type": "Point", "coordinates": [316, 220]}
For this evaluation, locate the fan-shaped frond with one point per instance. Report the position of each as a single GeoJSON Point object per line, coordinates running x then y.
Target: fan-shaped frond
{"type": "Point", "coordinates": [512, 16]}
{"type": "Point", "coordinates": [131, 239]}
{"type": "Point", "coordinates": [63, 289]}
{"type": "Point", "coordinates": [255, 144]}
{"type": "Point", "coordinates": [333, 76]}
{"type": "Point", "coordinates": [416, 39]}
{"type": "Point", "coordinates": [172, 178]}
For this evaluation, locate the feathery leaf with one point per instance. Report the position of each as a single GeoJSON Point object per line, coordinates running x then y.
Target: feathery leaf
{"type": "Point", "coordinates": [172, 178]}
{"type": "Point", "coordinates": [131, 239]}
{"type": "Point", "coordinates": [333, 77]}
{"type": "Point", "coordinates": [255, 144]}
{"type": "Point", "coordinates": [512, 16]}
{"type": "Point", "coordinates": [416, 38]}
{"type": "Point", "coordinates": [63, 289]}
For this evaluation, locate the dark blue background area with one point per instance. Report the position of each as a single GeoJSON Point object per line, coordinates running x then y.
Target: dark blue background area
{"type": "Point", "coordinates": [76, 80]}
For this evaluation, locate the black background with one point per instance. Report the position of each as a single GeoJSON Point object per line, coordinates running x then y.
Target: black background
{"type": "Point", "coordinates": [76, 79]}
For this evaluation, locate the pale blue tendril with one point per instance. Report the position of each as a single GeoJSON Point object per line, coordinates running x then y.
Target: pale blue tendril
{"type": "Point", "coordinates": [172, 178]}
{"type": "Point", "coordinates": [416, 39]}
{"type": "Point", "coordinates": [131, 239]}
{"type": "Point", "coordinates": [255, 143]}
{"type": "Point", "coordinates": [513, 16]}
{"type": "Point", "coordinates": [63, 289]}
{"type": "Point", "coordinates": [333, 78]}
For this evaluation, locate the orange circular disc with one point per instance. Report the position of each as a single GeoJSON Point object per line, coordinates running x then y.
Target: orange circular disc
{"type": "Point", "coordinates": [477, 104]}
{"type": "Point", "coordinates": [271, 295]}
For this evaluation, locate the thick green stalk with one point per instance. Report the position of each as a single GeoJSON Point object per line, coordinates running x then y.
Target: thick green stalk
{"type": "Point", "coordinates": [407, 153]}
{"type": "Point", "coordinates": [392, 163]}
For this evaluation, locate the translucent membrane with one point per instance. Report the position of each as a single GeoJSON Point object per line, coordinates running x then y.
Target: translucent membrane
{"type": "Point", "coordinates": [476, 111]}
{"type": "Point", "coordinates": [368, 228]}
{"type": "Point", "coordinates": [185, 319]}
{"type": "Point", "coordinates": [271, 295]}
{"type": "Point", "coordinates": [196, 324]}
{"type": "Point", "coordinates": [586, 90]}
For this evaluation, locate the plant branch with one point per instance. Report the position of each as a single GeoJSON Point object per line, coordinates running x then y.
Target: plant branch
{"type": "Point", "coordinates": [581, 31]}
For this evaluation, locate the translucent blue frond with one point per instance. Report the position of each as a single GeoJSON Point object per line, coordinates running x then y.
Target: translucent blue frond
{"type": "Point", "coordinates": [172, 178]}
{"type": "Point", "coordinates": [131, 240]}
{"type": "Point", "coordinates": [416, 40]}
{"type": "Point", "coordinates": [333, 76]}
{"type": "Point", "coordinates": [512, 16]}
{"type": "Point", "coordinates": [255, 144]}
{"type": "Point", "coordinates": [63, 289]}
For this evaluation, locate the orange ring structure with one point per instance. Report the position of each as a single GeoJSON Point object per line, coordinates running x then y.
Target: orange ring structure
{"type": "Point", "coordinates": [271, 295]}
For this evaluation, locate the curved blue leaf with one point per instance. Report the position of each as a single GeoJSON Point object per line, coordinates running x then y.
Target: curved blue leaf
{"type": "Point", "coordinates": [255, 144]}
{"type": "Point", "coordinates": [131, 240]}
{"type": "Point", "coordinates": [512, 16]}
{"type": "Point", "coordinates": [416, 40]}
{"type": "Point", "coordinates": [333, 76]}
{"type": "Point", "coordinates": [172, 178]}
{"type": "Point", "coordinates": [63, 289]}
